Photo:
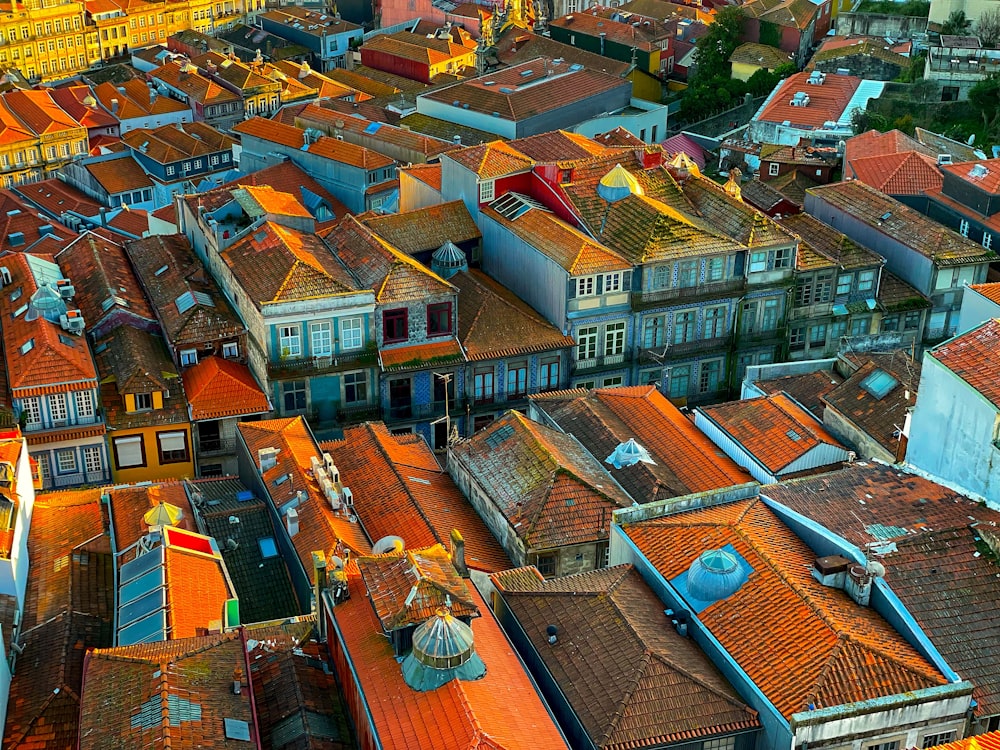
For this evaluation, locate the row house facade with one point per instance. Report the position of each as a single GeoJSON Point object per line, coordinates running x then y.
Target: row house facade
{"type": "Point", "coordinates": [47, 40]}
{"type": "Point", "coordinates": [208, 101]}
{"type": "Point", "coordinates": [968, 200]}
{"type": "Point", "coordinates": [54, 386]}
{"type": "Point", "coordinates": [40, 137]}
{"type": "Point", "coordinates": [310, 325]}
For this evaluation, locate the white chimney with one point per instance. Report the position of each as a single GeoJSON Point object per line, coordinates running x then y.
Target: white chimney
{"type": "Point", "coordinates": [292, 521]}
{"type": "Point", "coordinates": [267, 458]}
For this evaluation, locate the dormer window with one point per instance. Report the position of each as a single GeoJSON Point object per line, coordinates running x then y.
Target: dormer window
{"type": "Point", "coordinates": [143, 401]}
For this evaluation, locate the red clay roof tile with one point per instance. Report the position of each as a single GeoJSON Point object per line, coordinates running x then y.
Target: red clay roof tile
{"type": "Point", "coordinates": [218, 388]}
{"type": "Point", "coordinates": [974, 356]}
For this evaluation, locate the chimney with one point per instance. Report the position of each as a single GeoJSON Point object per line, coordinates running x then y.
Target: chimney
{"type": "Point", "coordinates": [292, 521]}
{"type": "Point", "coordinates": [458, 553]}
{"type": "Point", "coordinates": [237, 681]}
{"type": "Point", "coordinates": [114, 106]}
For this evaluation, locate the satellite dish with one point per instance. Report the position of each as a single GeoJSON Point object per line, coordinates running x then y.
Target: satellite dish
{"type": "Point", "coordinates": [336, 562]}
{"type": "Point", "coordinates": [972, 139]}
{"type": "Point", "coordinates": [387, 544]}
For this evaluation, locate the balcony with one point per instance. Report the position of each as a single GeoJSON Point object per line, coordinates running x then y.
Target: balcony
{"type": "Point", "coordinates": [79, 477]}
{"type": "Point", "coordinates": [216, 447]}
{"type": "Point", "coordinates": [306, 366]}
{"type": "Point", "coordinates": [63, 424]}
{"type": "Point", "coordinates": [597, 363]}
{"type": "Point", "coordinates": [761, 336]}
{"type": "Point", "coordinates": [645, 300]}
{"type": "Point", "coordinates": [359, 413]}
{"type": "Point", "coordinates": [657, 354]}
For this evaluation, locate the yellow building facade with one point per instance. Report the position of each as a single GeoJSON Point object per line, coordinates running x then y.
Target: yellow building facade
{"type": "Point", "coordinates": [45, 39]}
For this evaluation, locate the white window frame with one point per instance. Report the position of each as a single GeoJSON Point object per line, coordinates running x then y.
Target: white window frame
{"type": "Point", "coordinates": [92, 460]}
{"type": "Point", "coordinates": [144, 396]}
{"type": "Point", "coordinates": [866, 281]}
{"type": "Point", "coordinates": [230, 350]}
{"type": "Point", "coordinates": [586, 286]}
{"type": "Point", "coordinates": [84, 404]}
{"type": "Point", "coordinates": [32, 407]}
{"type": "Point", "coordinates": [290, 340]}
{"type": "Point", "coordinates": [773, 169]}
{"type": "Point", "coordinates": [189, 357]}
{"type": "Point", "coordinates": [44, 468]}
{"type": "Point", "coordinates": [352, 333]}
{"type": "Point", "coordinates": [71, 467]}
{"type": "Point", "coordinates": [586, 343]}
{"type": "Point", "coordinates": [321, 339]}
{"type": "Point", "coordinates": [963, 228]}
{"type": "Point", "coordinates": [987, 240]}
{"type": "Point", "coordinates": [612, 282]}
{"type": "Point", "coordinates": [57, 408]}
{"type": "Point", "coordinates": [128, 461]}
{"type": "Point", "coordinates": [614, 338]}
{"type": "Point", "coordinates": [487, 190]}
{"type": "Point", "coordinates": [756, 266]}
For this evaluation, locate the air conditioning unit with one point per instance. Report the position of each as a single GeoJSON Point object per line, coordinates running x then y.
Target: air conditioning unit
{"type": "Point", "coordinates": [72, 321]}
{"type": "Point", "coordinates": [267, 458]}
{"type": "Point", "coordinates": [331, 468]}
{"type": "Point", "coordinates": [348, 497]}
{"type": "Point", "coordinates": [66, 288]}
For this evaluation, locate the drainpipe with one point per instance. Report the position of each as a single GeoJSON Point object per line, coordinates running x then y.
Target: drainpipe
{"type": "Point", "coordinates": [603, 35]}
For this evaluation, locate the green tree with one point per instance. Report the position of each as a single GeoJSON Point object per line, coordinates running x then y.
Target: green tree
{"type": "Point", "coordinates": [985, 99]}
{"type": "Point", "coordinates": [988, 27]}
{"type": "Point", "coordinates": [924, 90]}
{"type": "Point", "coordinates": [715, 48]}
{"type": "Point", "coordinates": [957, 24]}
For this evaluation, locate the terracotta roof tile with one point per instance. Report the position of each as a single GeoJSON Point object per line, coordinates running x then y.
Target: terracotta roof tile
{"type": "Point", "coordinates": [826, 102]}
{"type": "Point", "coordinates": [39, 354]}
{"type": "Point", "coordinates": [983, 174]}
{"type": "Point", "coordinates": [426, 229]}
{"type": "Point", "coordinates": [491, 160]}
{"type": "Point", "coordinates": [415, 47]}
{"type": "Point", "coordinates": [974, 356]}
{"type": "Point", "coordinates": [104, 280]}
{"type": "Point", "coordinates": [517, 45]}
{"type": "Point", "coordinates": [173, 694]}
{"type": "Point", "coordinates": [286, 177]}
{"type": "Point", "coordinates": [866, 46]}
{"type": "Point", "coordinates": [119, 175]}
{"type": "Point", "coordinates": [400, 490]}
{"type": "Point", "coordinates": [907, 173]}
{"type": "Point", "coordinates": [218, 388]}
{"type": "Point", "coordinates": [761, 55]}
{"type": "Point", "coordinates": [133, 222]}
{"type": "Point", "coordinates": [39, 235]}
{"type": "Point", "coordinates": [12, 130]}
{"type": "Point", "coordinates": [429, 174]}
{"type": "Point", "coordinates": [189, 304]}
{"type": "Point", "coordinates": [36, 109]}
{"type": "Point", "coordinates": [818, 648]}
{"type": "Point", "coordinates": [927, 237]}
{"type": "Point", "coordinates": [559, 146]}
{"type": "Point", "coordinates": [989, 741]}
{"type": "Point", "coordinates": [320, 528]}
{"type": "Point", "coordinates": [835, 247]}
{"type": "Point", "coordinates": [459, 714]}
{"type": "Point", "coordinates": [570, 248]}
{"type": "Point", "coordinates": [493, 322]}
{"type": "Point", "coordinates": [198, 588]}
{"type": "Point", "coordinates": [774, 429]}
{"type": "Point", "coordinates": [989, 291]}
{"type": "Point", "coordinates": [658, 687]}
{"type": "Point", "coordinates": [356, 80]}
{"type": "Point", "coordinates": [876, 143]}
{"type": "Point", "coordinates": [56, 198]}
{"type": "Point", "coordinates": [175, 142]}
{"type": "Point", "coordinates": [420, 355]}
{"type": "Point", "coordinates": [916, 526]}
{"type": "Point", "coordinates": [794, 13]}
{"type": "Point", "coordinates": [138, 100]}
{"type": "Point", "coordinates": [686, 460]}
{"type": "Point", "coordinates": [194, 85]}
{"type": "Point", "coordinates": [807, 389]}
{"type": "Point", "coordinates": [130, 504]}
{"type": "Point", "coordinates": [544, 483]}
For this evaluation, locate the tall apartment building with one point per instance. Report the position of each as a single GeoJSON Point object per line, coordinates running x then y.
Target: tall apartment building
{"type": "Point", "coordinates": [45, 39]}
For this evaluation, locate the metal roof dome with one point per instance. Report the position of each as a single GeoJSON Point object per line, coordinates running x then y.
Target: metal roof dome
{"type": "Point", "coordinates": [443, 650]}
{"type": "Point", "coordinates": [448, 260]}
{"type": "Point", "coordinates": [46, 303]}
{"type": "Point", "coordinates": [714, 575]}
{"type": "Point", "coordinates": [617, 184]}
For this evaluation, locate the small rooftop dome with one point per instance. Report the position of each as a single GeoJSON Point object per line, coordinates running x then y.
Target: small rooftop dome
{"type": "Point", "coordinates": [443, 650]}
{"type": "Point", "coordinates": [448, 260]}
{"type": "Point", "coordinates": [714, 575]}
{"type": "Point", "coordinates": [617, 184]}
{"type": "Point", "coordinates": [46, 303]}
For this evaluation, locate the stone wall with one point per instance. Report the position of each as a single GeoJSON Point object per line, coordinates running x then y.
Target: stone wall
{"type": "Point", "coordinates": [880, 24]}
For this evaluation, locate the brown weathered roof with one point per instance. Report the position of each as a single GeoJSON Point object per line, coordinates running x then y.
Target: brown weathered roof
{"type": "Point", "coordinates": [425, 229]}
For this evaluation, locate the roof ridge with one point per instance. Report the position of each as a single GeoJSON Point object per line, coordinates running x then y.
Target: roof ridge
{"type": "Point", "coordinates": [875, 648]}
{"type": "Point", "coordinates": [638, 674]}
{"type": "Point", "coordinates": [165, 705]}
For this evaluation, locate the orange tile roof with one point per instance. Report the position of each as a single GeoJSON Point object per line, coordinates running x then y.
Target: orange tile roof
{"type": "Point", "coordinates": [686, 460]}
{"type": "Point", "coordinates": [286, 177]}
{"type": "Point", "coordinates": [426, 229]}
{"type": "Point", "coordinates": [907, 173]}
{"type": "Point", "coordinates": [218, 388]}
{"type": "Point", "coordinates": [990, 741]}
{"type": "Point", "coordinates": [193, 85]}
{"type": "Point", "coordinates": [419, 355]}
{"type": "Point", "coordinates": [459, 714]}
{"type": "Point", "coordinates": [119, 175]}
{"type": "Point", "coordinates": [57, 197]}
{"type": "Point", "coordinates": [17, 215]}
{"type": "Point", "coordinates": [876, 143]}
{"type": "Point", "coordinates": [812, 645]}
{"type": "Point", "coordinates": [319, 527]}
{"type": "Point", "coordinates": [175, 142]}
{"type": "Point", "coordinates": [129, 504]}
{"type": "Point", "coordinates": [827, 102]}
{"type": "Point", "coordinates": [138, 100]}
{"type": "Point", "coordinates": [493, 322]}
{"type": "Point", "coordinates": [984, 174]}
{"type": "Point", "coordinates": [132, 221]}
{"type": "Point", "coordinates": [429, 174]}
{"type": "Point", "coordinates": [198, 587]}
{"type": "Point", "coordinates": [544, 483]}
{"type": "Point", "coordinates": [36, 109]}
{"type": "Point", "coordinates": [774, 429]}
{"type": "Point", "coordinates": [71, 100]}
{"type": "Point", "coordinates": [990, 291]}
{"type": "Point", "coordinates": [41, 357]}
{"type": "Point", "coordinates": [400, 490]}
{"type": "Point", "coordinates": [491, 160]}
{"type": "Point", "coordinates": [975, 357]}
{"type": "Point", "coordinates": [144, 695]}
{"type": "Point", "coordinates": [12, 130]}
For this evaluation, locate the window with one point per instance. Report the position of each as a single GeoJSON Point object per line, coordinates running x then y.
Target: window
{"type": "Point", "coordinates": [585, 286]}
{"type": "Point", "coordinates": [289, 341]}
{"type": "Point", "coordinates": [57, 407]}
{"type": "Point", "coordinates": [866, 281]}
{"type": "Point", "coordinates": [824, 286]}
{"type": "Point", "coordinates": [942, 738]}
{"type": "Point", "coordinates": [687, 273]}
{"type": "Point", "coordinates": [661, 277]}
{"type": "Point", "coordinates": [546, 565]}
{"type": "Point", "coordinates": [680, 381]}
{"type": "Point", "coordinates": [548, 374]}
{"type": "Point", "coordinates": [487, 191]}
{"type": "Point", "coordinates": [482, 422]}
{"type": "Point", "coordinates": [890, 323]}
{"type": "Point", "coordinates": [321, 339]}
{"type": "Point", "coordinates": [614, 339]}
{"type": "Point", "coordinates": [837, 330]}
{"type": "Point", "coordinates": [439, 319]}
{"type": "Point", "coordinates": [92, 462]}
{"type": "Point", "coordinates": [586, 343]}
{"type": "Point", "coordinates": [32, 411]}
{"type": "Point", "coordinates": [66, 461]}
{"type": "Point", "coordinates": [797, 338]}
{"type": "Point", "coordinates": [355, 387]}
{"type": "Point", "coordinates": [715, 269]}
{"type": "Point", "coordinates": [721, 743]}
{"type": "Point", "coordinates": [772, 169]}
{"type": "Point", "coordinates": [268, 548]}
{"type": "Point", "coordinates": [517, 379]}
{"type": "Point", "coordinates": [844, 284]}
{"type": "Point", "coordinates": [84, 404]}
{"type": "Point", "coordinates": [652, 332]}
{"type": "Point", "coordinates": [293, 395]}
{"type": "Point", "coordinates": [173, 447]}
{"type": "Point", "coordinates": [684, 326]}
{"type": "Point", "coordinates": [129, 451]}
{"type": "Point", "coordinates": [171, 169]}
{"type": "Point", "coordinates": [709, 376]}
{"type": "Point", "coordinates": [230, 350]}
{"type": "Point", "coordinates": [351, 336]}
{"type": "Point", "coordinates": [42, 459]}
{"type": "Point", "coordinates": [715, 322]}
{"type": "Point", "coordinates": [911, 321]}
{"type": "Point", "coordinates": [483, 385]}
{"type": "Point", "coordinates": [783, 257]}
{"type": "Point", "coordinates": [189, 357]}
{"type": "Point", "coordinates": [963, 228]}
{"type": "Point", "coordinates": [987, 240]}
{"type": "Point", "coordinates": [894, 745]}
{"type": "Point", "coordinates": [394, 325]}
{"type": "Point", "coordinates": [817, 335]}
{"type": "Point", "coordinates": [612, 282]}
{"type": "Point", "coordinates": [861, 326]}
{"type": "Point", "coordinates": [143, 401]}
{"type": "Point", "coordinates": [758, 262]}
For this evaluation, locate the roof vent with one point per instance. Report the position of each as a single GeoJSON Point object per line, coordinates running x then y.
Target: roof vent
{"type": "Point", "coordinates": [978, 170]}
{"type": "Point", "coordinates": [448, 260]}
{"type": "Point", "coordinates": [944, 158]}
{"type": "Point", "coordinates": [629, 454]}
{"type": "Point", "coordinates": [714, 575]}
{"type": "Point", "coordinates": [267, 458]}
{"type": "Point", "coordinates": [16, 239]}
{"type": "Point", "coordinates": [443, 650]}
